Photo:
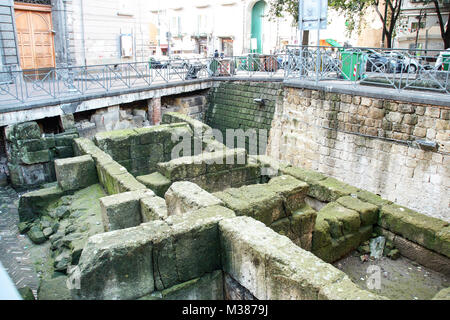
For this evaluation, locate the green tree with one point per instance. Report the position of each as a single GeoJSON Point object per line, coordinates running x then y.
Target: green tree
{"type": "Point", "coordinates": [387, 10]}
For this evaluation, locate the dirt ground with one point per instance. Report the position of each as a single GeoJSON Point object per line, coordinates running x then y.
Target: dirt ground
{"type": "Point", "coordinates": [400, 279]}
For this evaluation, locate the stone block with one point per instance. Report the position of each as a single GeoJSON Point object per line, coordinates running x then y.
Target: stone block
{"type": "Point", "coordinates": [64, 152]}
{"type": "Point", "coordinates": [123, 210]}
{"type": "Point", "coordinates": [32, 145]}
{"type": "Point", "coordinates": [156, 182]}
{"type": "Point", "coordinates": [34, 203]}
{"type": "Point", "coordinates": [153, 208]}
{"type": "Point", "coordinates": [35, 157]}
{"type": "Point", "coordinates": [444, 294]}
{"type": "Point", "coordinates": [303, 221]}
{"type": "Point", "coordinates": [271, 267]}
{"type": "Point", "coordinates": [298, 227]}
{"type": "Point", "coordinates": [207, 287]}
{"type": "Point", "coordinates": [372, 198]}
{"type": "Point", "coordinates": [23, 131]}
{"type": "Point", "coordinates": [118, 264]}
{"type": "Point", "coordinates": [342, 221]}
{"type": "Point", "coordinates": [117, 143]}
{"type": "Point", "coordinates": [432, 233]}
{"type": "Point", "coordinates": [76, 173]}
{"type": "Point", "coordinates": [182, 169]}
{"type": "Point", "coordinates": [330, 189]}
{"type": "Point", "coordinates": [368, 212]}
{"type": "Point", "coordinates": [256, 201]}
{"type": "Point", "coordinates": [306, 175]}
{"type": "Point", "coordinates": [54, 289]}
{"type": "Point", "coordinates": [65, 140]}
{"type": "Point", "coordinates": [342, 246]}
{"type": "Point", "coordinates": [292, 191]}
{"type": "Point", "coordinates": [185, 196]}
{"type": "Point", "coordinates": [192, 247]}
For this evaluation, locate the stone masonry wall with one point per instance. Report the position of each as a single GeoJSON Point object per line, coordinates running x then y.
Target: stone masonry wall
{"type": "Point", "coordinates": [232, 105]}
{"type": "Point", "coordinates": [369, 143]}
{"type": "Point", "coordinates": [31, 154]}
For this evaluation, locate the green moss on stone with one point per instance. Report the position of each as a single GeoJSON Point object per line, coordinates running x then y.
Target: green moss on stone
{"type": "Point", "coordinates": [156, 182]}
{"type": "Point", "coordinates": [330, 189]}
{"type": "Point", "coordinates": [303, 174]}
{"type": "Point", "coordinates": [372, 198]}
{"type": "Point", "coordinates": [368, 212]}
{"type": "Point", "coordinates": [342, 221]}
{"type": "Point", "coordinates": [430, 232]}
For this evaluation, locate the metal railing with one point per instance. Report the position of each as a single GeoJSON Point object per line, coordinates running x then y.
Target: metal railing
{"type": "Point", "coordinates": [400, 69]}
{"type": "Point", "coordinates": [396, 68]}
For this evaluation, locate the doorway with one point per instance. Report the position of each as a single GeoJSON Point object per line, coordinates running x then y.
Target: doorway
{"type": "Point", "coordinates": [256, 44]}
{"type": "Point", "coordinates": [35, 36]}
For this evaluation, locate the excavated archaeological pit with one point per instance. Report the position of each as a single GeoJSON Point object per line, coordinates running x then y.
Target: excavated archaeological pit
{"type": "Point", "coordinates": [221, 224]}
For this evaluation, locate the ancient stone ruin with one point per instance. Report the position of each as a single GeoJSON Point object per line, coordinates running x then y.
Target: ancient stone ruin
{"type": "Point", "coordinates": [169, 212]}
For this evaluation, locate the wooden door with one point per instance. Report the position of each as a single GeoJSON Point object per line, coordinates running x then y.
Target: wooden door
{"type": "Point", "coordinates": [35, 37]}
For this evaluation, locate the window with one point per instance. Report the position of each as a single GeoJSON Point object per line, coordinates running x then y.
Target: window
{"type": "Point", "coordinates": [414, 26]}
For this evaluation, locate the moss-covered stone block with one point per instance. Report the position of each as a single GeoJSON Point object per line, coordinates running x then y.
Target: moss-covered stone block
{"type": "Point", "coordinates": [330, 189]}
{"type": "Point", "coordinates": [54, 289]}
{"type": "Point", "coordinates": [76, 173]}
{"type": "Point", "coordinates": [339, 247]}
{"type": "Point", "coordinates": [372, 198]}
{"type": "Point", "coordinates": [306, 175]}
{"type": "Point", "coordinates": [182, 168]}
{"type": "Point", "coordinates": [153, 208]}
{"type": "Point", "coordinates": [184, 196]}
{"type": "Point", "coordinates": [34, 203]}
{"type": "Point", "coordinates": [303, 222]}
{"type": "Point", "coordinates": [432, 233]}
{"type": "Point", "coordinates": [156, 182]}
{"type": "Point", "coordinates": [292, 190]}
{"type": "Point", "coordinates": [342, 221]}
{"type": "Point", "coordinates": [368, 212]}
{"type": "Point", "coordinates": [256, 201]}
{"type": "Point", "coordinates": [117, 143]}
{"type": "Point", "coordinates": [65, 140]}
{"type": "Point", "coordinates": [321, 234]}
{"type": "Point", "coordinates": [207, 287]}
{"type": "Point", "coordinates": [63, 152]}
{"type": "Point", "coordinates": [192, 248]}
{"type": "Point", "coordinates": [23, 131]}
{"type": "Point", "coordinates": [270, 265]}
{"type": "Point", "coordinates": [123, 210]}
{"type": "Point", "coordinates": [35, 157]}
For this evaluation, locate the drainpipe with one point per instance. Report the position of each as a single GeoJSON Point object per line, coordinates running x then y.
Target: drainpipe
{"type": "Point", "coordinates": [66, 33]}
{"type": "Point", "coordinates": [83, 41]}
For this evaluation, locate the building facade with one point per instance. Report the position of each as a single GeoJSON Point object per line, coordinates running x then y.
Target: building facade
{"type": "Point", "coordinates": [418, 25]}
{"type": "Point", "coordinates": [50, 33]}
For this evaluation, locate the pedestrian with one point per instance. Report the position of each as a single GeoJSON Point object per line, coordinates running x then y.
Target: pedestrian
{"type": "Point", "coordinates": [216, 53]}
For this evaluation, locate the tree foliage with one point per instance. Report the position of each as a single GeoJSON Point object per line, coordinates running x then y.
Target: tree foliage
{"type": "Point", "coordinates": [353, 10]}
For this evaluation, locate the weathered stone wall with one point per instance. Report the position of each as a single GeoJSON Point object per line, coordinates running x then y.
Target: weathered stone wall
{"type": "Point", "coordinates": [232, 106]}
{"type": "Point", "coordinates": [112, 118]}
{"type": "Point", "coordinates": [369, 143]}
{"type": "Point", "coordinates": [271, 267]}
{"type": "Point", "coordinates": [193, 106]}
{"type": "Point", "coordinates": [112, 176]}
{"type": "Point", "coordinates": [152, 257]}
{"type": "Point", "coordinates": [139, 150]}
{"type": "Point", "coordinates": [31, 155]}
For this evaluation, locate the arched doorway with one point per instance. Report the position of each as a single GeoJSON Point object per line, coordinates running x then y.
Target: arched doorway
{"type": "Point", "coordinates": [257, 26]}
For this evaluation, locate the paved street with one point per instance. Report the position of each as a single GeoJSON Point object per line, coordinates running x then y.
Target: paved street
{"type": "Point", "coordinates": [14, 253]}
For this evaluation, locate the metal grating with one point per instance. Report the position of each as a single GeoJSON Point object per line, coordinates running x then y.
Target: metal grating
{"type": "Point", "coordinates": [45, 2]}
